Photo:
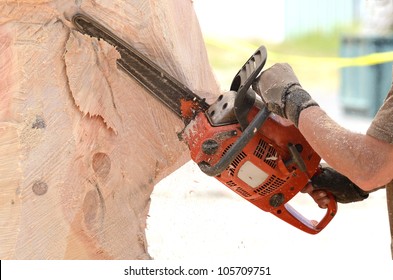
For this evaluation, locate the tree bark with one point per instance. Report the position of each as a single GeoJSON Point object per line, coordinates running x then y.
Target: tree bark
{"type": "Point", "coordinates": [81, 143]}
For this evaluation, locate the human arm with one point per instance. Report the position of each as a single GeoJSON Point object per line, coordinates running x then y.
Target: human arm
{"type": "Point", "coordinates": [367, 161]}
{"type": "Point", "coordinates": [363, 158]}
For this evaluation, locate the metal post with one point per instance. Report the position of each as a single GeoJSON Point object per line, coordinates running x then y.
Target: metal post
{"type": "Point", "coordinates": [389, 198]}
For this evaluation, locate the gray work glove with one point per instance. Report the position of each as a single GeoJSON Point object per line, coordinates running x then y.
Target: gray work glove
{"type": "Point", "coordinates": [343, 189]}
{"type": "Point", "coordinates": [280, 90]}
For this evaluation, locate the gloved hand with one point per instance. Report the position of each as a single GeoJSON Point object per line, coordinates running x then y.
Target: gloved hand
{"type": "Point", "coordinates": [344, 190]}
{"type": "Point", "coordinates": [280, 90]}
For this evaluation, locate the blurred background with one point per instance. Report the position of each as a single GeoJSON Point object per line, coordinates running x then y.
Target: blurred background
{"type": "Point", "coordinates": [341, 51]}
{"type": "Point", "coordinates": [318, 38]}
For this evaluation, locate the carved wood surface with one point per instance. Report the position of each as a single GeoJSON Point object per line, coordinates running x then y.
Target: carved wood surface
{"type": "Point", "coordinates": [81, 143]}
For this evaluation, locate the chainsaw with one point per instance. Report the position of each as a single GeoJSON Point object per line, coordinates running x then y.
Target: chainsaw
{"type": "Point", "coordinates": [255, 153]}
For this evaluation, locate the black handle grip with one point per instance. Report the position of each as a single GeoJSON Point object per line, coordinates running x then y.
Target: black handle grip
{"type": "Point", "coordinates": [242, 82]}
{"type": "Point", "coordinates": [250, 70]}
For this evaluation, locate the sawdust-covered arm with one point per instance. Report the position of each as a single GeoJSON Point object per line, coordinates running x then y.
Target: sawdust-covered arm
{"type": "Point", "coordinates": [364, 159]}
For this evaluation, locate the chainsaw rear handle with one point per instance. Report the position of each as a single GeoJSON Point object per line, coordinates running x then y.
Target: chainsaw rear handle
{"type": "Point", "coordinates": [290, 215]}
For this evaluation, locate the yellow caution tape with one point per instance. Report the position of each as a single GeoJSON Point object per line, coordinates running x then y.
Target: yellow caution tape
{"type": "Point", "coordinates": [245, 48]}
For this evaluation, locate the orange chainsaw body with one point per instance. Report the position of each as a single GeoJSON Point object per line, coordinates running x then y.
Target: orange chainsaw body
{"type": "Point", "coordinates": [265, 172]}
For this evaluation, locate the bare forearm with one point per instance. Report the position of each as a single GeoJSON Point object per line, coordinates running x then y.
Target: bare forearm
{"type": "Point", "coordinates": [361, 158]}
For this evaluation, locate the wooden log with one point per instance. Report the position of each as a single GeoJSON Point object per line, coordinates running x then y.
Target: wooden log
{"type": "Point", "coordinates": [81, 143]}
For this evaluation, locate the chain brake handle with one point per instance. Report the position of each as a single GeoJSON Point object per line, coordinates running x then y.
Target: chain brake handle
{"type": "Point", "coordinates": [245, 98]}
{"type": "Point", "coordinates": [242, 82]}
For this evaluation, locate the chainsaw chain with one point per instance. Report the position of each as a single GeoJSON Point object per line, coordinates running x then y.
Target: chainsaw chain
{"type": "Point", "coordinates": [157, 81]}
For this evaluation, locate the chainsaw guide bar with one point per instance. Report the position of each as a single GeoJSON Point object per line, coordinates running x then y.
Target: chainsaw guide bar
{"type": "Point", "coordinates": [176, 96]}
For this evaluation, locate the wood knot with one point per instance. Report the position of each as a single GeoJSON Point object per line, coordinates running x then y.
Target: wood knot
{"type": "Point", "coordinates": [39, 123]}
{"type": "Point", "coordinates": [101, 164]}
{"type": "Point", "coordinates": [39, 188]}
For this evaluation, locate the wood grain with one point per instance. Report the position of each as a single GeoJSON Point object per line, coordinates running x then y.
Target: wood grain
{"type": "Point", "coordinates": [82, 144]}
